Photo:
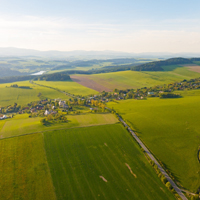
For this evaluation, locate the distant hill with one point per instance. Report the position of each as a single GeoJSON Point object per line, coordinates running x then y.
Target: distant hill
{"type": "Point", "coordinates": [157, 65]}
{"type": "Point", "coordinates": [79, 54]}
{"type": "Point", "coordinates": [4, 71]}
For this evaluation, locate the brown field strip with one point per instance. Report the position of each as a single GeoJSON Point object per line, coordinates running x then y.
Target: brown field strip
{"type": "Point", "coordinates": [194, 68]}
{"type": "Point", "coordinates": [85, 81]}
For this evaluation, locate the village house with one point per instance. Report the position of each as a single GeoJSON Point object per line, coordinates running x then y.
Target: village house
{"type": "Point", "coordinates": [4, 117]}
{"type": "Point", "coordinates": [63, 104]}
{"type": "Point", "coordinates": [46, 112]}
{"type": "Point", "coordinates": [150, 93]}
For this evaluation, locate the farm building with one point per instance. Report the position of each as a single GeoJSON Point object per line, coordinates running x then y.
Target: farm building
{"type": "Point", "coordinates": [150, 92]}
{"type": "Point", "coordinates": [46, 112]}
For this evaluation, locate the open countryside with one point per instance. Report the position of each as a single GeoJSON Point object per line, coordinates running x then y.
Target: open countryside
{"type": "Point", "coordinates": [134, 79]}
{"type": "Point", "coordinates": [22, 96]}
{"type": "Point", "coordinates": [24, 169]}
{"type": "Point", "coordinates": [171, 132]}
{"type": "Point", "coordinates": [68, 86]}
{"type": "Point", "coordinates": [92, 162]}
{"type": "Point", "coordinates": [24, 125]}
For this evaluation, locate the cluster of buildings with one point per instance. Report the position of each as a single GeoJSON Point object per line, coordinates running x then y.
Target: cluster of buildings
{"type": "Point", "coordinates": [4, 117]}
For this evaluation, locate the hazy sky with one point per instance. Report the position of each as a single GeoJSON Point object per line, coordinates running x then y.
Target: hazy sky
{"type": "Point", "coordinates": [128, 25]}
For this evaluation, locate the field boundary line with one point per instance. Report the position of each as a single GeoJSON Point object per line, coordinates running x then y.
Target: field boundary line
{"type": "Point", "coordinates": [151, 156]}
{"type": "Point", "coordinates": [55, 130]}
{"type": "Point", "coordinates": [177, 189]}
{"type": "Point", "coordinates": [48, 166]}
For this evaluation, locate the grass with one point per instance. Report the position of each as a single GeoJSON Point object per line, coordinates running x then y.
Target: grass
{"type": "Point", "coordinates": [21, 124]}
{"type": "Point", "coordinates": [79, 160]}
{"type": "Point", "coordinates": [24, 172]}
{"type": "Point", "coordinates": [170, 128]}
{"type": "Point", "coordinates": [10, 95]}
{"type": "Point", "coordinates": [134, 79]}
{"type": "Point", "coordinates": [68, 86]}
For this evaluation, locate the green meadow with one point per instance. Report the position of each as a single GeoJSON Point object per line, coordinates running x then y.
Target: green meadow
{"type": "Point", "coordinates": [171, 130]}
{"type": "Point", "coordinates": [68, 86]}
{"type": "Point", "coordinates": [22, 124]}
{"type": "Point", "coordinates": [24, 172]}
{"type": "Point", "coordinates": [10, 95]}
{"type": "Point", "coordinates": [135, 79]}
{"type": "Point", "coordinates": [96, 163]}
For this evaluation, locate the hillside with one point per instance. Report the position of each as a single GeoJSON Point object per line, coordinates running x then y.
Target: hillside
{"type": "Point", "coordinates": [5, 71]}
{"type": "Point", "coordinates": [158, 65]}
{"type": "Point", "coordinates": [170, 128]}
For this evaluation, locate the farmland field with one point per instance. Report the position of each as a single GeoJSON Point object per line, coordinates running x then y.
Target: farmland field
{"type": "Point", "coordinates": [96, 163]}
{"type": "Point", "coordinates": [22, 124]}
{"type": "Point", "coordinates": [68, 86]}
{"type": "Point", "coordinates": [24, 173]}
{"type": "Point", "coordinates": [171, 129]}
{"type": "Point", "coordinates": [134, 79]}
{"type": "Point", "coordinates": [10, 95]}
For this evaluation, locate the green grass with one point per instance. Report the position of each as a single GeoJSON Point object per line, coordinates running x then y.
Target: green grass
{"type": "Point", "coordinates": [24, 172]}
{"type": "Point", "coordinates": [21, 124]}
{"type": "Point", "coordinates": [171, 129]}
{"type": "Point", "coordinates": [2, 122]}
{"type": "Point", "coordinates": [78, 157]}
{"type": "Point", "coordinates": [10, 95]}
{"type": "Point", "coordinates": [134, 79]}
{"type": "Point", "coordinates": [68, 86]}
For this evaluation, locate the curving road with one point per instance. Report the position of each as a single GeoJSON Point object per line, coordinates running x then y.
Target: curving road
{"type": "Point", "coordinates": [178, 190]}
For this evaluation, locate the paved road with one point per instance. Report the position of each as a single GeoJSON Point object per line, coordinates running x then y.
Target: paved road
{"type": "Point", "coordinates": [178, 190]}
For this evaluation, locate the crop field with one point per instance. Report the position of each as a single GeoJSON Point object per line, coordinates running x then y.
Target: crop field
{"type": "Point", "coordinates": [134, 79]}
{"type": "Point", "coordinates": [24, 172]}
{"type": "Point", "coordinates": [68, 86]}
{"type": "Point", "coordinates": [171, 130]}
{"type": "Point", "coordinates": [100, 162]}
{"type": "Point", "coordinates": [10, 95]}
{"type": "Point", "coordinates": [22, 124]}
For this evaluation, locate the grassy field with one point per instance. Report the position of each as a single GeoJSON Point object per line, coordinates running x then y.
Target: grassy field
{"type": "Point", "coordinates": [24, 172]}
{"type": "Point", "coordinates": [68, 86]}
{"type": "Point", "coordinates": [134, 79]}
{"type": "Point", "coordinates": [171, 129]}
{"type": "Point", "coordinates": [22, 124]}
{"type": "Point", "coordinates": [91, 163]}
{"type": "Point", "coordinates": [10, 95]}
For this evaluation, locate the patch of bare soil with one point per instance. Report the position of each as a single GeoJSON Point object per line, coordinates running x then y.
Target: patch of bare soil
{"type": "Point", "coordinates": [194, 68]}
{"type": "Point", "coordinates": [103, 179]}
{"type": "Point", "coordinates": [85, 81]}
{"type": "Point", "coordinates": [131, 170]}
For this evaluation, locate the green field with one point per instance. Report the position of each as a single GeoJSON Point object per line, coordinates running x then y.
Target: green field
{"type": "Point", "coordinates": [22, 124]}
{"type": "Point", "coordinates": [91, 163]}
{"type": "Point", "coordinates": [134, 79]}
{"type": "Point", "coordinates": [171, 129]}
{"type": "Point", "coordinates": [24, 172]}
{"type": "Point", "coordinates": [68, 86]}
{"type": "Point", "coordinates": [10, 95]}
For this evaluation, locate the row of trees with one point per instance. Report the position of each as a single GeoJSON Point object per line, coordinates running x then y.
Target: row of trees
{"type": "Point", "coordinates": [54, 118]}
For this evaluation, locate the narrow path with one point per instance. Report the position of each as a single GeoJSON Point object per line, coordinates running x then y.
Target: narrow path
{"type": "Point", "coordinates": [68, 94]}
{"type": "Point", "coordinates": [177, 189]}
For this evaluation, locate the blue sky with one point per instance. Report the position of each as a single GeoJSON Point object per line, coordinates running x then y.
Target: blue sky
{"type": "Point", "coordinates": [131, 26]}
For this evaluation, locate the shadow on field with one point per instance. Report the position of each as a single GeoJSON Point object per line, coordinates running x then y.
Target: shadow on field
{"type": "Point", "coordinates": [171, 67]}
{"type": "Point", "coordinates": [170, 171]}
{"type": "Point", "coordinates": [47, 124]}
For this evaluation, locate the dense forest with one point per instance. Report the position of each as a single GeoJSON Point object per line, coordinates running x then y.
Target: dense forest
{"type": "Point", "coordinates": [5, 71]}
{"type": "Point", "coordinates": [157, 65]}
{"type": "Point", "coordinates": [64, 75]}
{"type": "Point", "coordinates": [53, 77]}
